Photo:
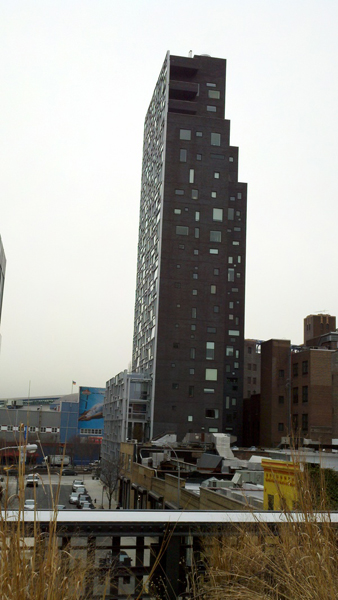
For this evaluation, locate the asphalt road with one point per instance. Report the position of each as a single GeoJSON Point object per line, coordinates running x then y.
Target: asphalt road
{"type": "Point", "coordinates": [50, 491]}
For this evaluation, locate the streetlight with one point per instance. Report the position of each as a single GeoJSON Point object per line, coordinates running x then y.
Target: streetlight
{"type": "Point", "coordinates": [30, 448]}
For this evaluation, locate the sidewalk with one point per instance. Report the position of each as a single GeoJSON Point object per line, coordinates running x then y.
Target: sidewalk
{"type": "Point", "coordinates": [95, 489]}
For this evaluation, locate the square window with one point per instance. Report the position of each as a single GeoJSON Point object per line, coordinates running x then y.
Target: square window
{"type": "Point", "coordinates": [191, 371]}
{"type": "Point", "coordinates": [215, 139]}
{"type": "Point", "coordinates": [194, 292]}
{"type": "Point", "coordinates": [183, 155]}
{"type": "Point", "coordinates": [212, 289]}
{"type": "Point", "coordinates": [211, 413]}
{"type": "Point", "coordinates": [231, 274]}
{"type": "Point", "coordinates": [214, 194]}
{"type": "Point", "coordinates": [229, 351]}
{"type": "Point", "coordinates": [231, 159]}
{"type": "Point", "coordinates": [216, 175]}
{"type": "Point", "coordinates": [190, 417]}
{"type": "Point", "coordinates": [280, 426]}
{"type": "Point", "coordinates": [217, 214]}
{"type": "Point", "coordinates": [192, 353]}
{"type": "Point", "coordinates": [196, 252]}
{"type": "Point", "coordinates": [231, 214]}
{"type": "Point", "coordinates": [177, 211]}
{"type": "Point", "coordinates": [191, 175]}
{"type": "Point", "coordinates": [211, 108]}
{"type": "Point", "coordinates": [179, 192]}
{"type": "Point", "coordinates": [199, 133]}
{"type": "Point", "coordinates": [211, 330]}
{"type": "Point", "coordinates": [193, 327]}
{"type": "Point", "coordinates": [195, 275]}
{"type": "Point", "coordinates": [216, 271]}
{"type": "Point", "coordinates": [185, 134]}
{"type": "Point", "coordinates": [197, 215]}
{"type": "Point", "coordinates": [198, 156]}
{"type": "Point", "coordinates": [216, 309]}
{"type": "Point", "coordinates": [180, 230]}
{"type": "Point", "coordinates": [213, 251]}
{"type": "Point", "coordinates": [305, 367]}
{"type": "Point", "coordinates": [211, 374]}
{"type": "Point", "coordinates": [194, 194]}
{"type": "Point", "coordinates": [215, 236]}
{"type": "Point", "coordinates": [215, 94]}
{"type": "Point", "coordinates": [239, 196]}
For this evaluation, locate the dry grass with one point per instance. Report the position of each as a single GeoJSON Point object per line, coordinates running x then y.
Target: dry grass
{"type": "Point", "coordinates": [299, 561]}
{"type": "Point", "coordinates": [34, 567]}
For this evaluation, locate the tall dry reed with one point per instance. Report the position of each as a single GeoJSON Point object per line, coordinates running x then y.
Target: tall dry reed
{"type": "Point", "coordinates": [32, 566]}
{"type": "Point", "coordinates": [297, 560]}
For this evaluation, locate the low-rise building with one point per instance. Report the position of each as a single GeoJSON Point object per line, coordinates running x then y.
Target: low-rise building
{"type": "Point", "coordinates": [127, 412]}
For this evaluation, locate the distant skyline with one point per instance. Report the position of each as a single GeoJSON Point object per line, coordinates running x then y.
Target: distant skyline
{"type": "Point", "coordinates": [76, 81]}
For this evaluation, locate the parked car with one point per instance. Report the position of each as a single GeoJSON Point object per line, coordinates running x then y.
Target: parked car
{"type": "Point", "coordinates": [77, 483]}
{"type": "Point", "coordinates": [87, 506]}
{"type": "Point", "coordinates": [73, 498]}
{"type": "Point", "coordinates": [82, 498]}
{"type": "Point", "coordinates": [29, 504]}
{"type": "Point", "coordinates": [32, 480]}
{"type": "Point", "coordinates": [68, 471]}
{"type": "Point", "coordinates": [80, 490]}
{"type": "Point", "coordinates": [60, 507]}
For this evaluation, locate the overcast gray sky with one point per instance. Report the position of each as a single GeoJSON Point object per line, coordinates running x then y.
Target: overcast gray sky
{"type": "Point", "coordinates": [76, 78]}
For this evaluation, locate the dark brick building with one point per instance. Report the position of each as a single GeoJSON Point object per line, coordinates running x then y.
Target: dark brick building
{"type": "Point", "coordinates": [189, 308]}
{"type": "Point", "coordinates": [298, 393]}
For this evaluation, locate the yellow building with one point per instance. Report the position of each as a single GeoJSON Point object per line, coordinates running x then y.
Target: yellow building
{"type": "Point", "coordinates": [280, 484]}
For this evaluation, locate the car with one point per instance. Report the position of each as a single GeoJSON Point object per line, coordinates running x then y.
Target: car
{"type": "Point", "coordinates": [32, 480]}
{"type": "Point", "coordinates": [87, 506]}
{"type": "Point", "coordinates": [80, 490]}
{"type": "Point", "coordinates": [77, 483]}
{"type": "Point", "coordinates": [73, 498]}
{"type": "Point", "coordinates": [82, 498]}
{"type": "Point", "coordinates": [68, 471]}
{"type": "Point", "coordinates": [29, 504]}
{"type": "Point", "coordinates": [60, 507]}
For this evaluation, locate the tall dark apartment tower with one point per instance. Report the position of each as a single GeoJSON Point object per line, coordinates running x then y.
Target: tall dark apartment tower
{"type": "Point", "coordinates": [190, 290]}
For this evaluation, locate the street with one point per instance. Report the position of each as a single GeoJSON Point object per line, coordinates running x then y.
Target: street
{"type": "Point", "coordinates": [50, 492]}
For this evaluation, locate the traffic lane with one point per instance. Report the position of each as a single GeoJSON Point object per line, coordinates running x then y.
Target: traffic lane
{"type": "Point", "coordinates": [48, 495]}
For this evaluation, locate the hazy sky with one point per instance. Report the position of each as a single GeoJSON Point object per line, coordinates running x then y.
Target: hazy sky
{"type": "Point", "coordinates": [76, 78]}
